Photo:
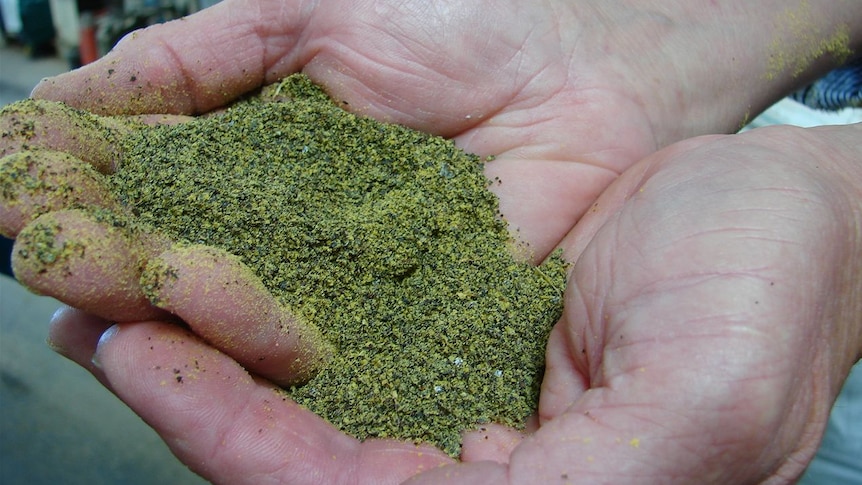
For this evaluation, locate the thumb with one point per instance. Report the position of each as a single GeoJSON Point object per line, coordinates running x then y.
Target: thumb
{"type": "Point", "coordinates": [190, 65]}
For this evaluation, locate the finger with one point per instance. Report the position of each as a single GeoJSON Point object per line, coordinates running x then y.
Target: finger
{"type": "Point", "coordinates": [234, 47]}
{"type": "Point", "coordinates": [43, 124]}
{"type": "Point", "coordinates": [74, 334]}
{"type": "Point", "coordinates": [224, 302]}
{"type": "Point", "coordinates": [231, 428]}
{"type": "Point", "coordinates": [33, 182]}
{"type": "Point", "coordinates": [491, 442]}
{"type": "Point", "coordinates": [86, 260]}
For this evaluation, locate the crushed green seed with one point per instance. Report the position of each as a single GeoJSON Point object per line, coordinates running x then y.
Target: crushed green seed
{"type": "Point", "coordinates": [385, 238]}
{"type": "Point", "coordinates": [39, 243]}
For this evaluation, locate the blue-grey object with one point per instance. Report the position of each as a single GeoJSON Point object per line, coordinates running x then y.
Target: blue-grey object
{"type": "Point", "coordinates": [841, 88]}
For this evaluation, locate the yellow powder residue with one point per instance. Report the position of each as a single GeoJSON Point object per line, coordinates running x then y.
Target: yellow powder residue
{"type": "Point", "coordinates": [798, 42]}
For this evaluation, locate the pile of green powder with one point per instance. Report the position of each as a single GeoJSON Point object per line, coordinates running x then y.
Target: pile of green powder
{"type": "Point", "coordinates": [385, 238]}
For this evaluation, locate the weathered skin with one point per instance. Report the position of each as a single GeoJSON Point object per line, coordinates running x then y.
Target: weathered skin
{"type": "Point", "coordinates": [695, 336]}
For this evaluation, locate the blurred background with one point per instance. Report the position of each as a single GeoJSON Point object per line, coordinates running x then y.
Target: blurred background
{"type": "Point", "coordinates": [57, 424]}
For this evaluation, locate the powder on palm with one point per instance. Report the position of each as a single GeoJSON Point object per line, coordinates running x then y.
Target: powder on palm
{"type": "Point", "coordinates": [385, 238]}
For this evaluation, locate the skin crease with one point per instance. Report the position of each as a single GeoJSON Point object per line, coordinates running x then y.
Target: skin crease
{"type": "Point", "coordinates": [686, 344]}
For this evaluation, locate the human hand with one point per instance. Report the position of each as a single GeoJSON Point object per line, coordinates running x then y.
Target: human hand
{"type": "Point", "coordinates": [710, 320]}
{"type": "Point", "coordinates": [526, 126]}
{"type": "Point", "coordinates": [712, 317]}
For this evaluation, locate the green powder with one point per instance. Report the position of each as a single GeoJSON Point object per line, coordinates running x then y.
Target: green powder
{"type": "Point", "coordinates": [385, 238]}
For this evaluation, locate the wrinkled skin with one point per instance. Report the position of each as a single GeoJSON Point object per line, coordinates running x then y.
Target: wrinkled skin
{"type": "Point", "coordinates": [712, 313]}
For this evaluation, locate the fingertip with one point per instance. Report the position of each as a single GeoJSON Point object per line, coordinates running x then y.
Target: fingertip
{"type": "Point", "coordinates": [57, 334]}
{"type": "Point", "coordinates": [33, 123]}
{"type": "Point", "coordinates": [35, 181]}
{"type": "Point", "coordinates": [160, 69]}
{"type": "Point", "coordinates": [75, 334]}
{"type": "Point", "coordinates": [131, 79]}
{"type": "Point", "coordinates": [86, 262]}
{"type": "Point", "coordinates": [174, 68]}
{"type": "Point", "coordinates": [222, 300]}
{"type": "Point", "coordinates": [104, 340]}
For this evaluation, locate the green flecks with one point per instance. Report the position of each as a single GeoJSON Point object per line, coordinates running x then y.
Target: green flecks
{"type": "Point", "coordinates": [384, 238]}
{"type": "Point", "coordinates": [155, 276]}
{"type": "Point", "coordinates": [16, 176]}
{"type": "Point", "coordinates": [40, 247]}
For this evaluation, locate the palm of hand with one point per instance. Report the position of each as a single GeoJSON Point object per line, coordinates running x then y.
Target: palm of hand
{"type": "Point", "coordinates": [691, 318]}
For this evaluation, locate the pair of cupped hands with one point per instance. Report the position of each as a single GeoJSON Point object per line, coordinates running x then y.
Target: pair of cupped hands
{"type": "Point", "coordinates": [713, 305]}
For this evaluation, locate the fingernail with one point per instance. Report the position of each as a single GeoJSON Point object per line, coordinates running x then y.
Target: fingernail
{"type": "Point", "coordinates": [104, 339]}
{"type": "Point", "coordinates": [52, 343]}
